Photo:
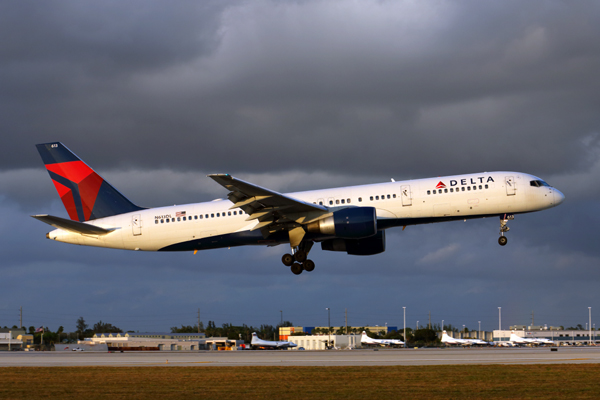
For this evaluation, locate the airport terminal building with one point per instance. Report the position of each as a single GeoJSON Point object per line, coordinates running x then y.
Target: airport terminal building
{"type": "Point", "coordinates": [161, 341]}
{"type": "Point", "coordinates": [560, 336]}
{"type": "Point", "coordinates": [288, 332]}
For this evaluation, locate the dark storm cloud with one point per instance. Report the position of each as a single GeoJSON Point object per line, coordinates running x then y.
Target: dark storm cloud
{"type": "Point", "coordinates": [307, 85]}
{"type": "Point", "coordinates": [295, 96]}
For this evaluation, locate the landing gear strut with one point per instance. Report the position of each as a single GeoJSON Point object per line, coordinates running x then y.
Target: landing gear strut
{"type": "Point", "coordinates": [299, 261]}
{"type": "Point", "coordinates": [504, 218]}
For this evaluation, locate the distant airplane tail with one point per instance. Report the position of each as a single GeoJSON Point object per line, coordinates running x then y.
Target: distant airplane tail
{"type": "Point", "coordinates": [84, 193]}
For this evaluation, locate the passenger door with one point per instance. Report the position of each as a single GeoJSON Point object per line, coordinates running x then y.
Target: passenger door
{"type": "Point", "coordinates": [406, 195]}
{"type": "Point", "coordinates": [511, 185]}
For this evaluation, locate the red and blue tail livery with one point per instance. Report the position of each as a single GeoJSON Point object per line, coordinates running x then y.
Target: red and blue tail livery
{"type": "Point", "coordinates": [350, 219]}
{"type": "Point", "coordinates": [84, 193]}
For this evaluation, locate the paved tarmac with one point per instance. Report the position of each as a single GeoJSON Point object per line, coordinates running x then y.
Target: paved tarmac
{"type": "Point", "coordinates": [383, 357]}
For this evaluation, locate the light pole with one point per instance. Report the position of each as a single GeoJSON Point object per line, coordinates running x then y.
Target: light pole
{"type": "Point", "coordinates": [463, 332]}
{"type": "Point", "coordinates": [417, 326]}
{"type": "Point", "coordinates": [442, 325]}
{"type": "Point", "coordinates": [479, 333]}
{"type": "Point", "coordinates": [590, 324]}
{"type": "Point", "coordinates": [404, 326]}
{"type": "Point", "coordinates": [499, 318]}
{"type": "Point", "coordinates": [328, 326]}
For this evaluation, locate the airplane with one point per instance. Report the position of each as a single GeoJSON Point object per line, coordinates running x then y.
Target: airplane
{"type": "Point", "coordinates": [521, 340]}
{"type": "Point", "coordinates": [350, 219]}
{"type": "Point", "coordinates": [256, 342]}
{"type": "Point", "coordinates": [364, 339]}
{"type": "Point", "coordinates": [462, 342]}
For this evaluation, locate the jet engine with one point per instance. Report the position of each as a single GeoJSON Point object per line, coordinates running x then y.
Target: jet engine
{"type": "Point", "coordinates": [357, 247]}
{"type": "Point", "coordinates": [349, 223]}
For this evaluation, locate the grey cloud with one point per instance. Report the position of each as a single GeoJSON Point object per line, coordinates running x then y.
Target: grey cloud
{"type": "Point", "coordinates": [296, 96]}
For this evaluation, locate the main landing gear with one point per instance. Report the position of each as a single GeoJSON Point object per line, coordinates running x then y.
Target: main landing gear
{"type": "Point", "coordinates": [504, 218]}
{"type": "Point", "coordinates": [299, 261]}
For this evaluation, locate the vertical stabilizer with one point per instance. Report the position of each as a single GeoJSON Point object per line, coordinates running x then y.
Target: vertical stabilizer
{"type": "Point", "coordinates": [84, 193]}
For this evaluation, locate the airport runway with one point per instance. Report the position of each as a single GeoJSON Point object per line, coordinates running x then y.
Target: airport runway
{"type": "Point", "coordinates": [307, 358]}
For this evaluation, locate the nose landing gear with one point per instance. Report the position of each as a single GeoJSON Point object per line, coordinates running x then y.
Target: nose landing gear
{"type": "Point", "coordinates": [299, 261]}
{"type": "Point", "coordinates": [504, 218]}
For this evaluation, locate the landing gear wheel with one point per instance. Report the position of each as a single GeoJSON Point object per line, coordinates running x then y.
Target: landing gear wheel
{"type": "Point", "coordinates": [287, 260]}
{"type": "Point", "coordinates": [502, 240]}
{"type": "Point", "coordinates": [297, 269]}
{"type": "Point", "coordinates": [300, 256]}
{"type": "Point", "coordinates": [308, 265]}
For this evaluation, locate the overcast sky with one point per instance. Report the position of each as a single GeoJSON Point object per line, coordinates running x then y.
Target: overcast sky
{"type": "Point", "coordinates": [296, 95]}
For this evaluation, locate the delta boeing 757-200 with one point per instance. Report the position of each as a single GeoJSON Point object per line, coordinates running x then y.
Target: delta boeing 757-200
{"type": "Point", "coordinates": [346, 219]}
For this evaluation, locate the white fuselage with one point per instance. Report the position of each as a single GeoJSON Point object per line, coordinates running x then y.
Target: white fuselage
{"type": "Point", "coordinates": [396, 203]}
{"type": "Point", "coordinates": [383, 342]}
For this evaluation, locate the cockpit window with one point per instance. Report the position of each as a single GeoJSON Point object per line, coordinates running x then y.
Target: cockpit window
{"type": "Point", "coordinates": [538, 183]}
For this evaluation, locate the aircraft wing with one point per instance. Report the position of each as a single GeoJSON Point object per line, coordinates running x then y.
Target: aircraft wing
{"type": "Point", "coordinates": [72, 226]}
{"type": "Point", "coordinates": [266, 206]}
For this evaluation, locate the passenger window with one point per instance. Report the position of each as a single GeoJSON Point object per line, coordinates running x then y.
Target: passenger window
{"type": "Point", "coordinates": [168, 220]}
{"type": "Point", "coordinates": [389, 197]}
{"type": "Point", "coordinates": [360, 199]}
{"type": "Point", "coordinates": [486, 186]}
{"type": "Point", "coordinates": [337, 202]}
{"type": "Point", "coordinates": [445, 190]}
{"type": "Point", "coordinates": [429, 192]}
{"type": "Point", "coordinates": [162, 221]}
{"type": "Point", "coordinates": [394, 195]}
{"type": "Point", "coordinates": [235, 213]}
{"type": "Point", "coordinates": [212, 215]}
{"type": "Point", "coordinates": [371, 198]}
{"type": "Point", "coordinates": [469, 188]}
{"type": "Point", "coordinates": [172, 219]}
{"type": "Point", "coordinates": [474, 187]}
{"type": "Point", "coordinates": [343, 201]}
{"type": "Point", "coordinates": [463, 188]}
{"type": "Point", "coordinates": [184, 219]}
{"type": "Point", "coordinates": [434, 192]}
{"type": "Point", "coordinates": [451, 190]}
{"type": "Point", "coordinates": [228, 212]}
{"type": "Point", "coordinates": [320, 203]}
{"type": "Point", "coordinates": [330, 202]}
{"type": "Point", "coordinates": [348, 201]}
{"type": "Point", "coordinates": [479, 187]}
{"type": "Point", "coordinates": [156, 221]}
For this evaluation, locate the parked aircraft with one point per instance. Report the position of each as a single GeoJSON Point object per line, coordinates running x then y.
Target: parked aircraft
{"type": "Point", "coordinates": [514, 338]}
{"type": "Point", "coordinates": [446, 339]}
{"type": "Point", "coordinates": [364, 339]}
{"type": "Point", "coordinates": [346, 219]}
{"type": "Point", "coordinates": [259, 343]}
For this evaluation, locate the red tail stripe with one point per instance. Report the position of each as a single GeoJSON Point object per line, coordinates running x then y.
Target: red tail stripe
{"type": "Point", "coordinates": [66, 195]}
{"type": "Point", "coordinates": [75, 171]}
{"type": "Point", "coordinates": [88, 190]}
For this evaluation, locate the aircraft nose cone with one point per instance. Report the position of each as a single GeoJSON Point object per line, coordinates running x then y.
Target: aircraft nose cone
{"type": "Point", "coordinates": [558, 197]}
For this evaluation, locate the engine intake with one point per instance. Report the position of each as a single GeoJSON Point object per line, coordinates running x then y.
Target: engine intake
{"type": "Point", "coordinates": [357, 247]}
{"type": "Point", "coordinates": [349, 223]}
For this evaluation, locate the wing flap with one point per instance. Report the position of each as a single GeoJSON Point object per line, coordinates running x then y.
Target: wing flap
{"type": "Point", "coordinates": [269, 208]}
{"type": "Point", "coordinates": [72, 226]}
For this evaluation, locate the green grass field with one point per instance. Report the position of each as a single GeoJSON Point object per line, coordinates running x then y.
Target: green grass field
{"type": "Point", "coordinates": [425, 382]}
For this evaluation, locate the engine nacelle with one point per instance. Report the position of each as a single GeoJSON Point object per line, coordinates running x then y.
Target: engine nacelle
{"type": "Point", "coordinates": [357, 247]}
{"type": "Point", "coordinates": [349, 223]}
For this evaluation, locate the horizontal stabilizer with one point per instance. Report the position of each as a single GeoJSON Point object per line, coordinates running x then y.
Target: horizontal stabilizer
{"type": "Point", "coordinates": [72, 226]}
